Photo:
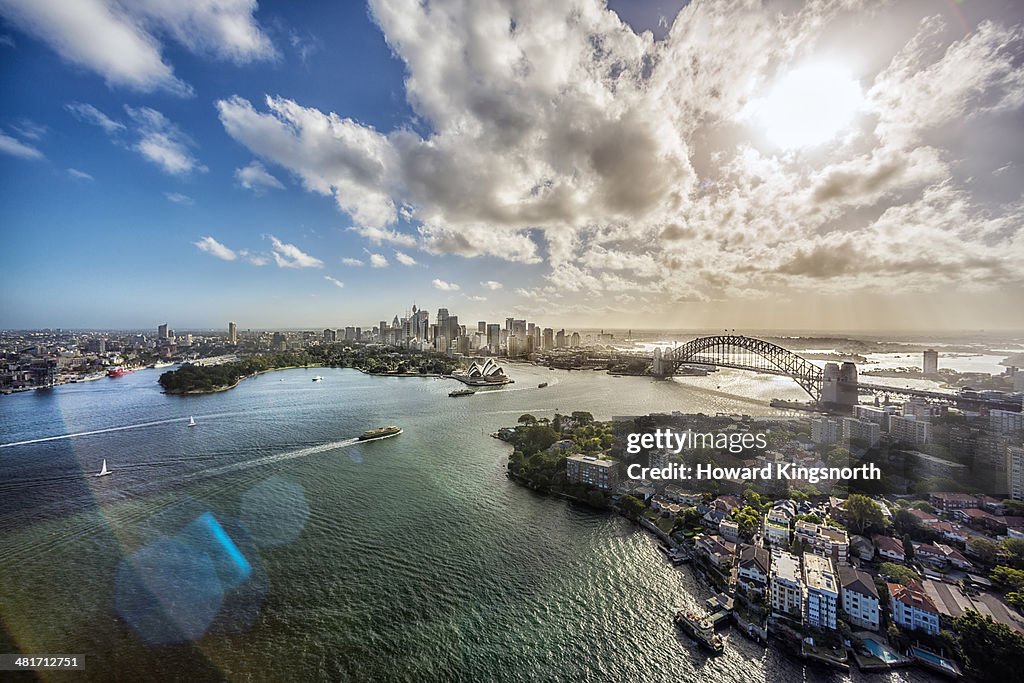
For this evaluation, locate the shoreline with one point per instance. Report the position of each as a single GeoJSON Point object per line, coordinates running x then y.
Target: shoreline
{"type": "Point", "coordinates": [217, 390]}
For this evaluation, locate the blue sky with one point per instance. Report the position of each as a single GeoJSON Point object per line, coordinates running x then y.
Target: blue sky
{"type": "Point", "coordinates": [646, 165]}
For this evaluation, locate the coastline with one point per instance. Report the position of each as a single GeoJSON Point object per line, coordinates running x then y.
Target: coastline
{"type": "Point", "coordinates": [215, 390]}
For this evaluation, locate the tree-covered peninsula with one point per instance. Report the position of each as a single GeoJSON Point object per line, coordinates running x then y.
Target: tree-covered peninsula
{"type": "Point", "coordinates": [373, 359]}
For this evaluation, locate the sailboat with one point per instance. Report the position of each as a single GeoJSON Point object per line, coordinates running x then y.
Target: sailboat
{"type": "Point", "coordinates": [191, 421]}
{"type": "Point", "coordinates": [103, 470]}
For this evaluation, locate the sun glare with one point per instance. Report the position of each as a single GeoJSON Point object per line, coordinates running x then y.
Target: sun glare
{"type": "Point", "coordinates": [807, 106]}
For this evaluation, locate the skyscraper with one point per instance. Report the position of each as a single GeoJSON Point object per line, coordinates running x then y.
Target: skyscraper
{"type": "Point", "coordinates": [931, 362]}
{"type": "Point", "coordinates": [232, 334]}
{"type": "Point", "coordinates": [494, 338]}
{"type": "Point", "coordinates": [161, 331]}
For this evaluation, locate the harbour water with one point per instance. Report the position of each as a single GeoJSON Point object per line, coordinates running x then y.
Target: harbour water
{"type": "Point", "coordinates": [409, 558]}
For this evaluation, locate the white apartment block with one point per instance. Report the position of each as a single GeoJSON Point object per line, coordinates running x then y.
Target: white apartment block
{"type": "Point", "coordinates": [821, 590]}
{"type": "Point", "coordinates": [786, 585]}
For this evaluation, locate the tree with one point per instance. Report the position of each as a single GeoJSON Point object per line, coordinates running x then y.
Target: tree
{"type": "Point", "coordinates": [1007, 578]}
{"type": "Point", "coordinates": [581, 417]}
{"type": "Point", "coordinates": [908, 548]}
{"type": "Point", "coordinates": [984, 549]}
{"type": "Point", "coordinates": [991, 651]}
{"type": "Point", "coordinates": [838, 457]}
{"type": "Point", "coordinates": [897, 573]}
{"type": "Point", "coordinates": [527, 419]}
{"type": "Point", "coordinates": [864, 512]}
{"type": "Point", "coordinates": [1014, 547]}
{"type": "Point", "coordinates": [631, 507]}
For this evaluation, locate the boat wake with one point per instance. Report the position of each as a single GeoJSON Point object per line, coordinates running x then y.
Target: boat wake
{"type": "Point", "coordinates": [270, 459]}
{"type": "Point", "coordinates": [107, 430]}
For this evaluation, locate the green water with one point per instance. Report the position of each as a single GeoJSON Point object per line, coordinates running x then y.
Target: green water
{"type": "Point", "coordinates": [418, 560]}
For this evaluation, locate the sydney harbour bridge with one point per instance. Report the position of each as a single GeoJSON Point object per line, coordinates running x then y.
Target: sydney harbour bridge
{"type": "Point", "coordinates": [834, 385]}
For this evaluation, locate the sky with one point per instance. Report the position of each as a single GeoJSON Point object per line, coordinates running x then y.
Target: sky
{"type": "Point", "coordinates": [836, 164]}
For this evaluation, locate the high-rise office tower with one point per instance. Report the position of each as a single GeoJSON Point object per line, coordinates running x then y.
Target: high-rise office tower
{"type": "Point", "coordinates": [494, 338]}
{"type": "Point", "coordinates": [161, 331]}
{"type": "Point", "coordinates": [549, 339]}
{"type": "Point", "coordinates": [232, 334]}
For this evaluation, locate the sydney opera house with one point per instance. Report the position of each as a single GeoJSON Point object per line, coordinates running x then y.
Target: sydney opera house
{"type": "Point", "coordinates": [487, 373]}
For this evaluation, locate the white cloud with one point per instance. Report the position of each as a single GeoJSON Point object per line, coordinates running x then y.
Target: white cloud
{"type": "Point", "coordinates": [9, 145]}
{"type": "Point", "coordinates": [80, 175]}
{"type": "Point", "coordinates": [491, 285]}
{"type": "Point", "coordinates": [253, 259]}
{"type": "Point", "coordinates": [378, 261]}
{"type": "Point", "coordinates": [256, 178]}
{"type": "Point", "coordinates": [179, 198]}
{"type": "Point", "coordinates": [29, 129]}
{"type": "Point", "coordinates": [405, 259]}
{"type": "Point", "coordinates": [121, 41]}
{"type": "Point", "coordinates": [445, 286]}
{"type": "Point", "coordinates": [627, 164]}
{"type": "Point", "coordinates": [337, 283]}
{"type": "Point", "coordinates": [379, 235]}
{"type": "Point", "coordinates": [212, 246]}
{"type": "Point", "coordinates": [477, 298]}
{"type": "Point", "coordinates": [352, 262]}
{"type": "Point", "coordinates": [290, 256]}
{"type": "Point", "coordinates": [90, 114]}
{"type": "Point", "coordinates": [7, 41]}
{"type": "Point", "coordinates": [162, 142]}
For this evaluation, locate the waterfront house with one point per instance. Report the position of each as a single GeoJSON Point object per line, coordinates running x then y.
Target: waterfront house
{"type": "Point", "coordinates": [666, 507]}
{"type": "Point", "coordinates": [676, 494]}
{"type": "Point", "coordinates": [752, 567]}
{"type": "Point", "coordinates": [889, 549]}
{"type": "Point", "coordinates": [821, 592]}
{"type": "Point", "coordinates": [587, 469]}
{"type": "Point", "coordinates": [716, 550]}
{"type": "Point", "coordinates": [859, 598]}
{"type": "Point", "coordinates": [786, 584]}
{"type": "Point", "coordinates": [729, 530]}
{"type": "Point", "coordinates": [912, 609]}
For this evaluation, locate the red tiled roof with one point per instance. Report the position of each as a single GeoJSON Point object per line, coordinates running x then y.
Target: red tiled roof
{"type": "Point", "coordinates": [912, 596]}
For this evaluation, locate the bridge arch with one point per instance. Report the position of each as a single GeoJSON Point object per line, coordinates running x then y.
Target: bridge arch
{"type": "Point", "coordinates": [744, 353]}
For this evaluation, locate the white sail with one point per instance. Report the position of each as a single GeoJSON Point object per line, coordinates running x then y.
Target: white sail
{"type": "Point", "coordinates": [191, 421]}
{"type": "Point", "coordinates": [103, 470]}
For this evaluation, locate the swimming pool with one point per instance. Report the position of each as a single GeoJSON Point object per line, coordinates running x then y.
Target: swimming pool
{"type": "Point", "coordinates": [880, 651]}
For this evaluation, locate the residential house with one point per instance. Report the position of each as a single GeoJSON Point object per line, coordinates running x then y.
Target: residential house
{"type": "Point", "coordinates": [911, 608]}
{"type": "Point", "coordinates": [752, 568]}
{"type": "Point", "coordinates": [716, 550]}
{"type": "Point", "coordinates": [859, 598]}
{"type": "Point", "coordinates": [889, 549]}
{"type": "Point", "coordinates": [729, 530]}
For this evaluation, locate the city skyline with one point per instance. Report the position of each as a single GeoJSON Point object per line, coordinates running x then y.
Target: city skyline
{"type": "Point", "coordinates": [670, 166]}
